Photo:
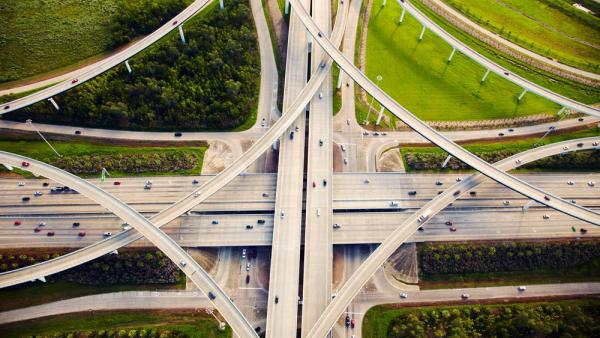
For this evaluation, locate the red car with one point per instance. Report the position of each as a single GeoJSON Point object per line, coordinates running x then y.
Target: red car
{"type": "Point", "coordinates": [37, 230]}
{"type": "Point", "coordinates": [17, 222]}
{"type": "Point", "coordinates": [352, 323]}
{"type": "Point", "coordinates": [50, 233]}
{"type": "Point", "coordinates": [25, 164]}
{"type": "Point", "coordinates": [247, 279]}
{"type": "Point", "coordinates": [81, 234]}
{"type": "Point", "coordinates": [116, 183]}
{"type": "Point", "coordinates": [174, 22]}
{"type": "Point", "coordinates": [74, 81]}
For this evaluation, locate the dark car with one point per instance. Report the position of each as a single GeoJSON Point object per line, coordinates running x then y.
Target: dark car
{"type": "Point", "coordinates": [421, 229]}
{"type": "Point", "coordinates": [500, 134]}
{"type": "Point", "coordinates": [291, 135]}
{"type": "Point", "coordinates": [116, 183]}
{"type": "Point", "coordinates": [449, 223]}
{"type": "Point", "coordinates": [276, 299]}
{"type": "Point", "coordinates": [175, 22]}
{"type": "Point", "coordinates": [50, 233]}
{"type": "Point", "coordinates": [76, 224]}
{"type": "Point", "coordinates": [580, 119]}
{"type": "Point", "coordinates": [25, 198]}
{"type": "Point", "coordinates": [247, 279]}
{"type": "Point", "coordinates": [211, 295]}
{"type": "Point", "coordinates": [195, 182]}
{"type": "Point", "coordinates": [546, 198]}
{"type": "Point", "coordinates": [178, 134]}
{"type": "Point", "coordinates": [45, 184]}
{"type": "Point", "coordinates": [453, 229]}
{"type": "Point", "coordinates": [6, 107]}
{"type": "Point", "coordinates": [580, 145]}
{"type": "Point", "coordinates": [74, 81]}
{"type": "Point", "coordinates": [261, 221]}
{"type": "Point", "coordinates": [324, 182]}
{"type": "Point", "coordinates": [25, 164]}
{"type": "Point", "coordinates": [347, 322]}
{"type": "Point", "coordinates": [77, 132]}
{"type": "Point", "coordinates": [412, 193]}
{"type": "Point", "coordinates": [352, 323]}
{"type": "Point", "coordinates": [37, 230]}
{"type": "Point", "coordinates": [473, 193]}
{"type": "Point", "coordinates": [81, 234]}
{"type": "Point", "coordinates": [457, 192]}
{"type": "Point", "coordinates": [438, 183]}
{"type": "Point", "coordinates": [583, 230]}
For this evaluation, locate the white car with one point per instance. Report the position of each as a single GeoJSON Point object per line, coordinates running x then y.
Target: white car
{"type": "Point", "coordinates": [244, 253]}
{"type": "Point", "coordinates": [546, 216]}
{"type": "Point", "coordinates": [247, 266]}
{"type": "Point", "coordinates": [346, 160]}
{"type": "Point", "coordinates": [20, 184]}
{"type": "Point", "coordinates": [318, 211]}
{"type": "Point", "coordinates": [403, 295]}
{"type": "Point", "coordinates": [522, 288]}
{"type": "Point", "coordinates": [107, 234]}
{"type": "Point", "coordinates": [282, 213]}
{"type": "Point", "coordinates": [320, 95]}
{"type": "Point", "coordinates": [458, 179]}
{"type": "Point", "coordinates": [566, 148]}
{"type": "Point", "coordinates": [591, 183]}
{"type": "Point", "coordinates": [38, 193]}
{"type": "Point", "coordinates": [518, 161]}
{"type": "Point", "coordinates": [570, 182]}
{"type": "Point", "coordinates": [465, 296]}
{"type": "Point", "coordinates": [506, 202]}
{"type": "Point", "coordinates": [337, 225]}
{"type": "Point", "coordinates": [343, 147]}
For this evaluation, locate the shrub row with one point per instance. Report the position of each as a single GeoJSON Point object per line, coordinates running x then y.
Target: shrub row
{"type": "Point", "coordinates": [123, 333]}
{"type": "Point", "coordinates": [582, 160]}
{"type": "Point", "coordinates": [517, 320]}
{"type": "Point", "coordinates": [210, 82]}
{"type": "Point", "coordinates": [131, 163]}
{"type": "Point", "coordinates": [11, 261]}
{"type": "Point", "coordinates": [506, 256]}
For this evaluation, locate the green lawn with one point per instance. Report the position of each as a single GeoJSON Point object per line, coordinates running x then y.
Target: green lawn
{"type": "Point", "coordinates": [419, 77]}
{"type": "Point", "coordinates": [190, 323]}
{"type": "Point", "coordinates": [40, 36]}
{"type": "Point", "coordinates": [553, 28]}
{"type": "Point", "coordinates": [40, 151]}
{"type": "Point", "coordinates": [30, 294]}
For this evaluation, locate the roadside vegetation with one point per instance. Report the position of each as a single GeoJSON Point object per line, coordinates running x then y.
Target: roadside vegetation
{"type": "Point", "coordinates": [45, 37]}
{"type": "Point", "coordinates": [431, 158]}
{"type": "Point", "coordinates": [418, 75]}
{"type": "Point", "coordinates": [451, 265]}
{"type": "Point", "coordinates": [580, 318]}
{"type": "Point", "coordinates": [87, 159]}
{"type": "Point", "coordinates": [120, 324]}
{"type": "Point", "coordinates": [209, 83]}
{"type": "Point", "coordinates": [552, 28]}
{"type": "Point", "coordinates": [129, 270]}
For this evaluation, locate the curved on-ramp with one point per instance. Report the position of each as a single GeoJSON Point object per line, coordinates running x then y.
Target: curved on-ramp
{"type": "Point", "coordinates": [166, 244]}
{"type": "Point", "coordinates": [106, 64]}
{"type": "Point", "coordinates": [351, 288]}
{"type": "Point", "coordinates": [494, 67]}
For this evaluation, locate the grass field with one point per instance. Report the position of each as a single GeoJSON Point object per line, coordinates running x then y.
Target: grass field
{"type": "Point", "coordinates": [39, 36]}
{"type": "Point", "coordinates": [419, 77]}
{"type": "Point", "coordinates": [190, 323]}
{"type": "Point", "coordinates": [553, 28]}
{"type": "Point", "coordinates": [40, 151]}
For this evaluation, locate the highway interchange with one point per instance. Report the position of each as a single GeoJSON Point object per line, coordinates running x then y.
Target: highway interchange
{"type": "Point", "coordinates": [279, 199]}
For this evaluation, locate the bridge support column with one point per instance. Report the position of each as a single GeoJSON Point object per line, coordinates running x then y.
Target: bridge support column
{"type": "Point", "coordinates": [384, 2]}
{"type": "Point", "coordinates": [451, 54]}
{"type": "Point", "coordinates": [7, 167]}
{"type": "Point", "coordinates": [402, 15]}
{"type": "Point", "coordinates": [380, 115]}
{"type": "Point", "coordinates": [287, 7]}
{"type": "Point", "coordinates": [528, 205]}
{"type": "Point", "coordinates": [114, 252]}
{"type": "Point", "coordinates": [339, 82]}
{"type": "Point", "coordinates": [487, 72]}
{"type": "Point", "coordinates": [522, 94]}
{"type": "Point", "coordinates": [446, 161]}
{"type": "Point", "coordinates": [128, 66]}
{"type": "Point", "coordinates": [181, 34]}
{"type": "Point", "coordinates": [422, 33]}
{"type": "Point", "coordinates": [562, 110]}
{"type": "Point", "coordinates": [221, 4]}
{"type": "Point", "coordinates": [42, 279]}
{"type": "Point", "coordinates": [54, 103]}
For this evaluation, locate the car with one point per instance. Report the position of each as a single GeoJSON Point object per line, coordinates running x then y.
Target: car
{"type": "Point", "coordinates": [244, 252]}
{"type": "Point", "coordinates": [367, 181]}
{"type": "Point", "coordinates": [345, 160]}
{"type": "Point", "coordinates": [574, 201]}
{"type": "Point", "coordinates": [116, 183]}
{"type": "Point", "coordinates": [403, 295]}
{"type": "Point", "coordinates": [292, 135]}
{"type": "Point", "coordinates": [77, 132]}
{"type": "Point", "coordinates": [421, 229]}
{"type": "Point", "coordinates": [314, 184]}
{"type": "Point", "coordinates": [510, 130]}
{"type": "Point", "coordinates": [41, 224]}
{"type": "Point", "coordinates": [347, 321]}
{"type": "Point", "coordinates": [37, 230]}
{"type": "Point", "coordinates": [456, 193]}
{"type": "Point", "coordinates": [261, 221]}
{"type": "Point", "coordinates": [107, 234]}
{"type": "Point", "coordinates": [265, 194]}
{"type": "Point", "coordinates": [546, 216]}
{"type": "Point", "coordinates": [148, 182]}
{"type": "Point", "coordinates": [38, 193]}
{"type": "Point", "coordinates": [347, 85]}
{"type": "Point", "coordinates": [178, 134]}
{"type": "Point", "coordinates": [579, 145]}
{"type": "Point", "coordinates": [318, 211]}
{"type": "Point", "coordinates": [195, 182]}
{"type": "Point", "coordinates": [45, 184]}
{"type": "Point", "coordinates": [375, 134]}
{"type": "Point", "coordinates": [147, 187]}
{"type": "Point", "coordinates": [352, 323]}
{"type": "Point", "coordinates": [320, 95]}
{"type": "Point", "coordinates": [343, 147]}
{"type": "Point", "coordinates": [6, 107]}
{"type": "Point", "coordinates": [337, 225]}
{"type": "Point", "coordinates": [249, 226]}
{"type": "Point", "coordinates": [458, 179]}
{"type": "Point", "coordinates": [518, 161]}
{"type": "Point", "coordinates": [566, 148]}
{"type": "Point", "coordinates": [214, 221]}
{"type": "Point", "coordinates": [473, 193]}
{"type": "Point", "coordinates": [17, 223]}
{"type": "Point", "coordinates": [506, 202]}
{"type": "Point", "coordinates": [323, 64]}
{"type": "Point", "coordinates": [320, 35]}
{"type": "Point", "coordinates": [25, 164]}
{"type": "Point", "coordinates": [465, 296]}
{"type": "Point", "coordinates": [262, 123]}
{"type": "Point", "coordinates": [25, 198]}
{"type": "Point", "coordinates": [522, 288]}
{"type": "Point", "coordinates": [583, 230]}
{"type": "Point", "coordinates": [276, 299]}
{"type": "Point", "coordinates": [580, 119]}
{"type": "Point", "coordinates": [383, 133]}
{"type": "Point", "coordinates": [500, 134]}
{"type": "Point", "coordinates": [440, 192]}
{"type": "Point", "coordinates": [551, 128]}
{"type": "Point", "coordinates": [506, 73]}
{"type": "Point", "coordinates": [74, 81]}
{"type": "Point", "coordinates": [412, 193]}
{"type": "Point", "coordinates": [320, 142]}
{"type": "Point", "coordinates": [365, 133]}
{"type": "Point", "coordinates": [211, 295]}
{"type": "Point", "coordinates": [81, 234]}
{"type": "Point", "coordinates": [50, 233]}
{"type": "Point", "coordinates": [282, 214]}
{"type": "Point", "coordinates": [546, 198]}
{"type": "Point", "coordinates": [21, 184]}
{"type": "Point", "coordinates": [591, 183]}
{"type": "Point", "coordinates": [595, 143]}
{"type": "Point", "coordinates": [324, 182]}
{"type": "Point", "coordinates": [570, 182]}
{"type": "Point", "coordinates": [452, 229]}
{"type": "Point", "coordinates": [393, 203]}
{"type": "Point", "coordinates": [127, 227]}
{"type": "Point", "coordinates": [76, 224]}
{"type": "Point", "coordinates": [247, 279]}
{"type": "Point", "coordinates": [182, 263]}
{"type": "Point", "coordinates": [174, 22]}
{"type": "Point", "coordinates": [449, 223]}
{"type": "Point", "coordinates": [438, 183]}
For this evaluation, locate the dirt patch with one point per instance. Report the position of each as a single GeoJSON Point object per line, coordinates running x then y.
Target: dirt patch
{"type": "Point", "coordinates": [338, 163]}
{"type": "Point", "coordinates": [206, 257]}
{"type": "Point", "coordinates": [391, 161]}
{"type": "Point", "coordinates": [402, 266]}
{"type": "Point", "coordinates": [217, 157]}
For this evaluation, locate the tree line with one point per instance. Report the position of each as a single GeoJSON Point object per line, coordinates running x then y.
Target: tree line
{"type": "Point", "coordinates": [209, 83]}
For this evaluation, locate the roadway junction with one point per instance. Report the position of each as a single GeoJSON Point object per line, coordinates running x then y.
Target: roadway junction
{"type": "Point", "coordinates": [310, 207]}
